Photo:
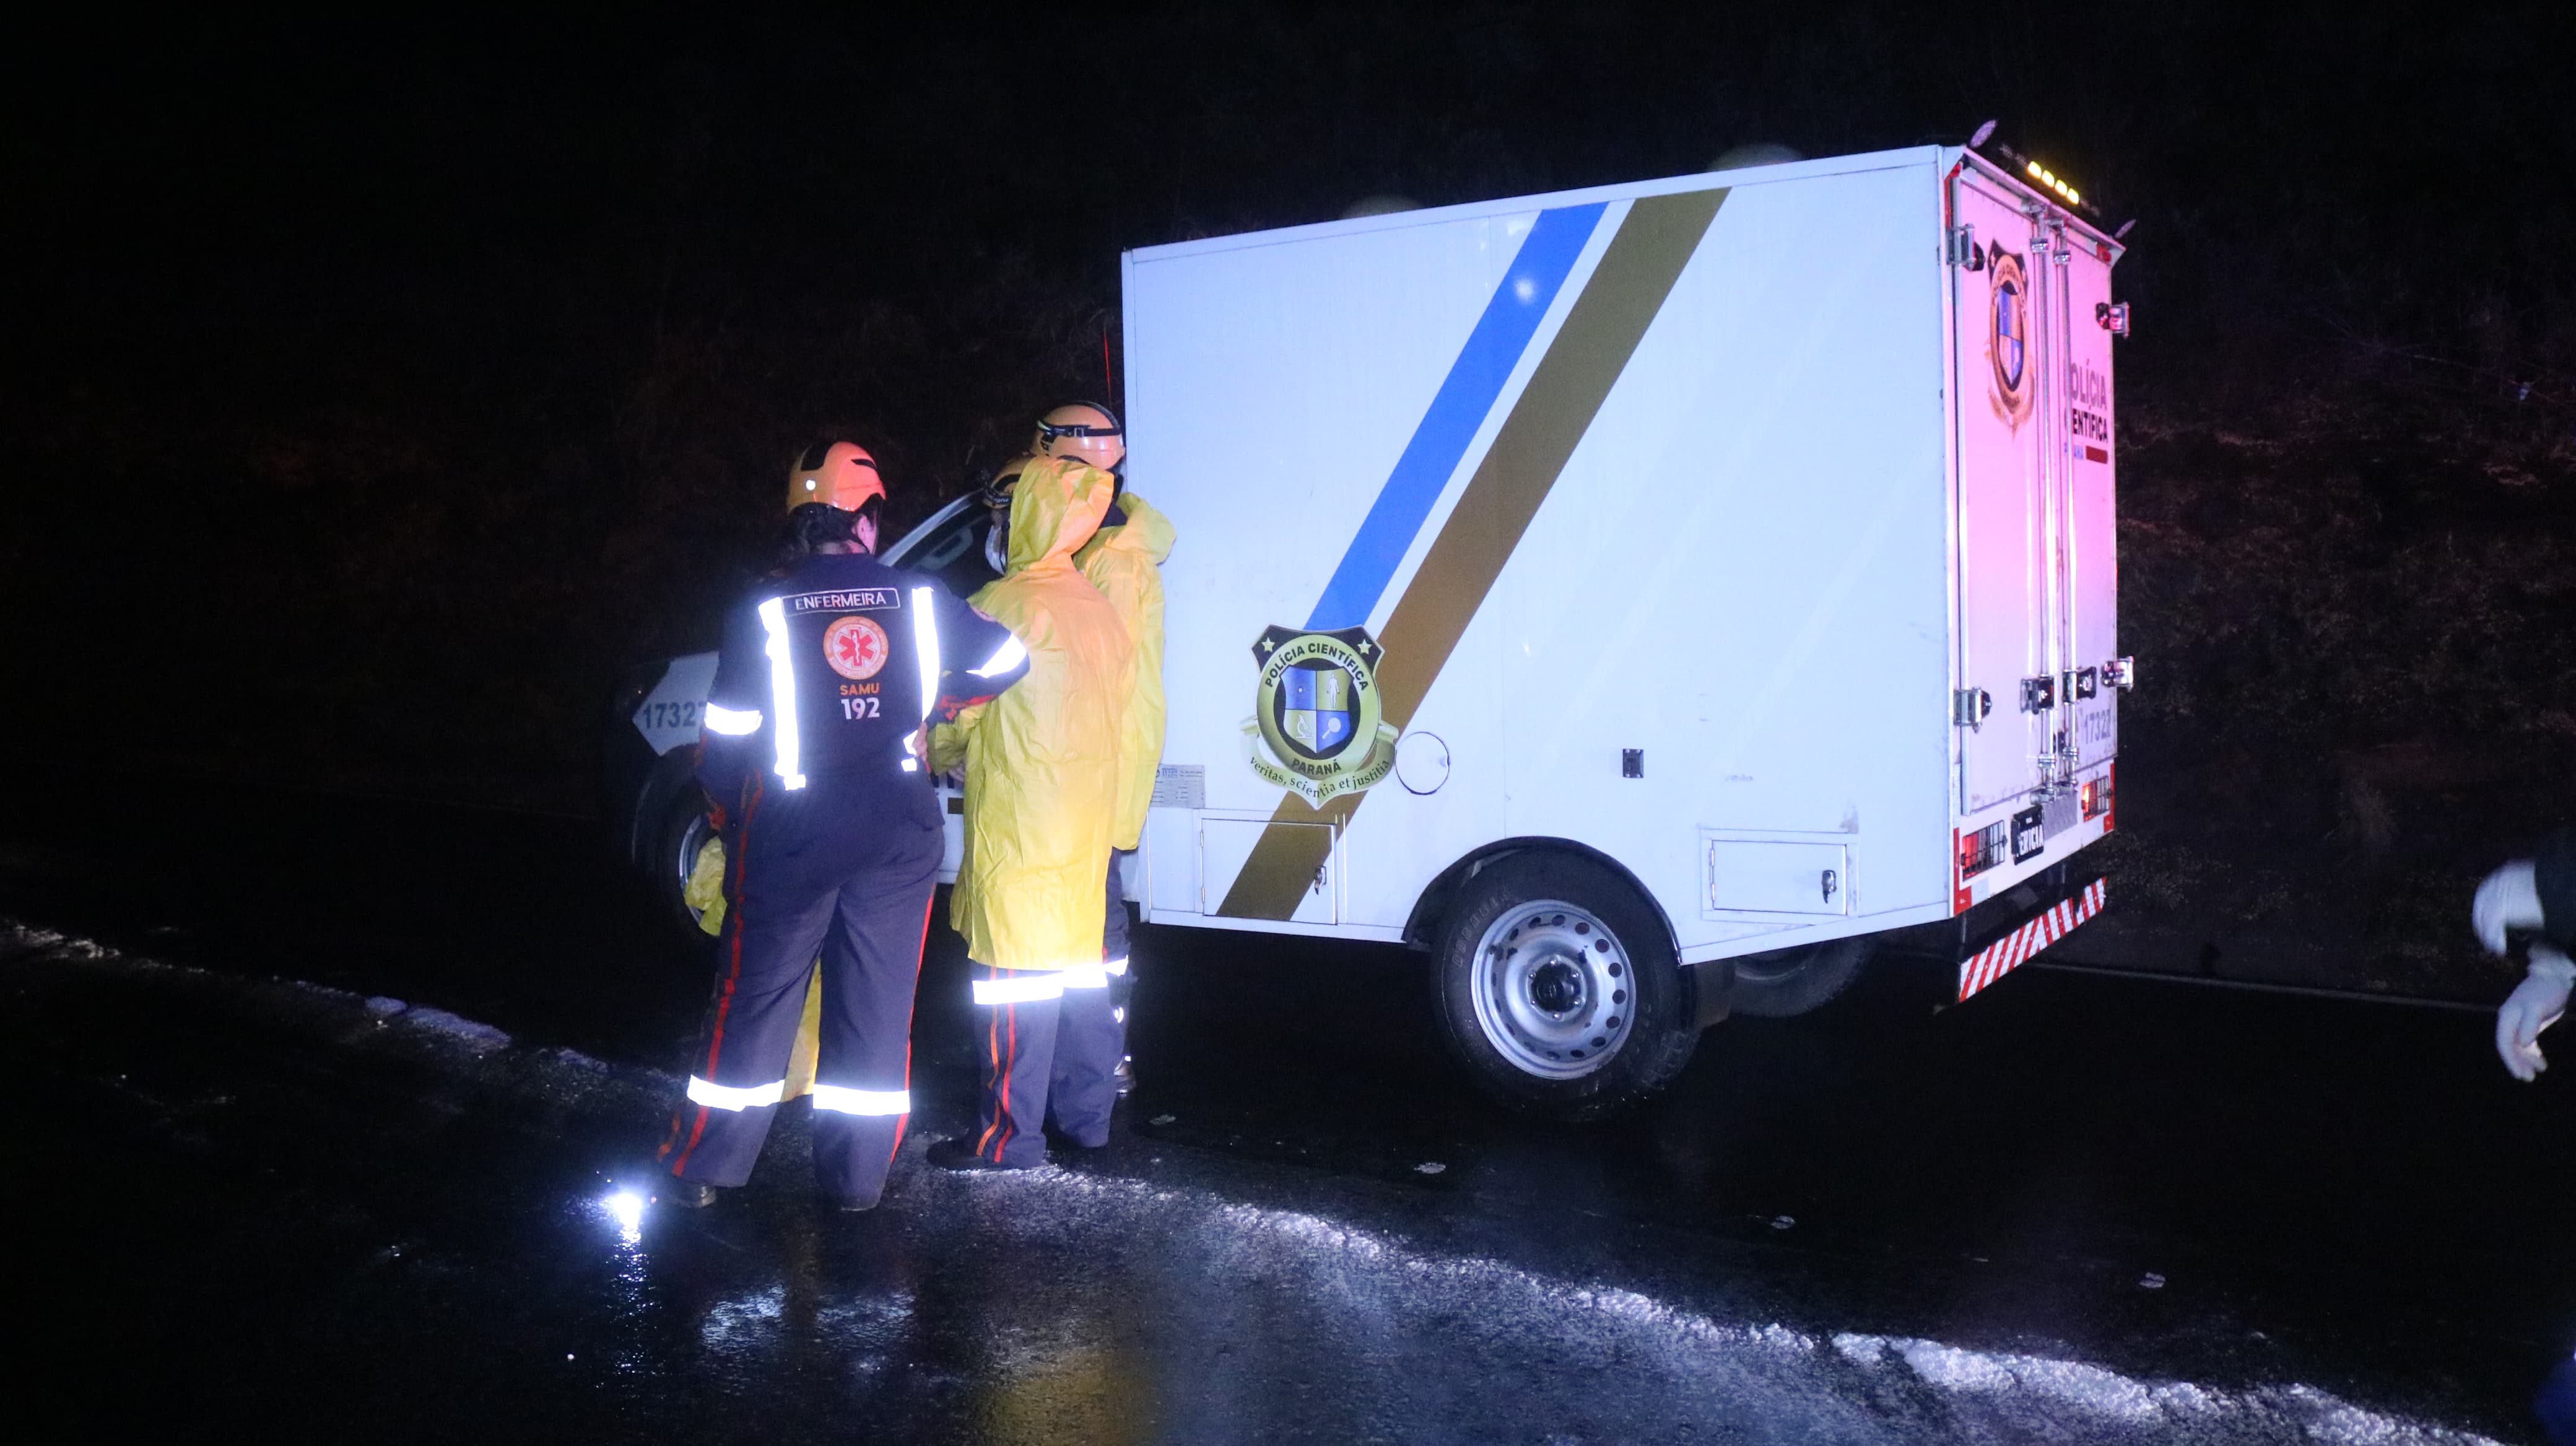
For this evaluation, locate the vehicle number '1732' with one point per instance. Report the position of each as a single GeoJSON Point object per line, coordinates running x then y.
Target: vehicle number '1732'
{"type": "Point", "coordinates": [671, 715]}
{"type": "Point", "coordinates": [858, 708]}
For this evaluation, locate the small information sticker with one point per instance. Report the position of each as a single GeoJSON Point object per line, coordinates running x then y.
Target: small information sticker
{"type": "Point", "coordinates": [1180, 785]}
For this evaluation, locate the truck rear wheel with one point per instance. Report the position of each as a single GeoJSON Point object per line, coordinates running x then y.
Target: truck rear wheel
{"type": "Point", "coordinates": [1788, 982]}
{"type": "Point", "coordinates": [1559, 987]}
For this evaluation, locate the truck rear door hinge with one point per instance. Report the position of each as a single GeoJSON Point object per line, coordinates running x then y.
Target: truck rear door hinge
{"type": "Point", "coordinates": [1971, 707]}
{"type": "Point", "coordinates": [1963, 248]}
{"type": "Point", "coordinates": [2121, 673]}
{"type": "Point", "coordinates": [2038, 695]}
{"type": "Point", "coordinates": [2114, 316]}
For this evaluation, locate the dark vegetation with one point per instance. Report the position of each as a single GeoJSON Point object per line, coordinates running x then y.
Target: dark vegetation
{"type": "Point", "coordinates": [376, 390]}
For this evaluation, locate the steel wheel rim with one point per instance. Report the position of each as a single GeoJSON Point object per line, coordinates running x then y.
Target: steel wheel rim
{"type": "Point", "coordinates": [1554, 991]}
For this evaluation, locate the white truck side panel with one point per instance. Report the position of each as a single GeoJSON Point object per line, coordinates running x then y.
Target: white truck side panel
{"type": "Point", "coordinates": [1741, 569]}
{"type": "Point", "coordinates": [1752, 530]}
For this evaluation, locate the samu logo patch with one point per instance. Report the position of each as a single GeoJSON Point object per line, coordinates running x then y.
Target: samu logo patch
{"type": "Point", "coordinates": [855, 647]}
{"type": "Point", "coordinates": [1315, 728]}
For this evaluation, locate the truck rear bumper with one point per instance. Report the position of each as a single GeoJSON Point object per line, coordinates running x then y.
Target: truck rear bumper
{"type": "Point", "coordinates": [2000, 952]}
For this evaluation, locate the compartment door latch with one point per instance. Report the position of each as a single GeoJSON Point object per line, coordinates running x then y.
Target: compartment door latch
{"type": "Point", "coordinates": [1971, 707]}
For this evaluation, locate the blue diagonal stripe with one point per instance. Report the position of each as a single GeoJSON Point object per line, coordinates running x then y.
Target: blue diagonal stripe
{"type": "Point", "coordinates": [1466, 395]}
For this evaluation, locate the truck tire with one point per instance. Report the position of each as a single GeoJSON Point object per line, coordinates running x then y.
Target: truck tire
{"type": "Point", "coordinates": [684, 829]}
{"type": "Point", "coordinates": [1559, 989]}
{"type": "Point", "coordinates": [1788, 982]}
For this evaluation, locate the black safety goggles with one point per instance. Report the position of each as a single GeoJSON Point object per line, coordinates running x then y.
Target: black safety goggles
{"type": "Point", "coordinates": [1050, 431]}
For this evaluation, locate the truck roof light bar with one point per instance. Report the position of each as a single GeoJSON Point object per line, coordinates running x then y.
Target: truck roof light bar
{"type": "Point", "coordinates": [2049, 179]}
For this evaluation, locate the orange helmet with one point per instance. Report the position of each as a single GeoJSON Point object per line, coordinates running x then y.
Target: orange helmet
{"type": "Point", "coordinates": [1086, 430]}
{"type": "Point", "coordinates": [839, 474]}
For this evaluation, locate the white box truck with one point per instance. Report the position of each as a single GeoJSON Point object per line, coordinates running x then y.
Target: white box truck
{"type": "Point", "coordinates": [1637, 597]}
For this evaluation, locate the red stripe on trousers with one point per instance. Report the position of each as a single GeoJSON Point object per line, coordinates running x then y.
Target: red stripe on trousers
{"type": "Point", "coordinates": [992, 1051]}
{"type": "Point", "coordinates": [1004, 1056]}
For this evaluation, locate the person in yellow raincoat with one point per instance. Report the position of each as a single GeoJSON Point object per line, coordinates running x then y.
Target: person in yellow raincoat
{"type": "Point", "coordinates": [1123, 560]}
{"type": "Point", "coordinates": [1041, 763]}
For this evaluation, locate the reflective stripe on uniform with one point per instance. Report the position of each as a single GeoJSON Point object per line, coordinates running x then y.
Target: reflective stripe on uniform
{"type": "Point", "coordinates": [782, 692]}
{"type": "Point", "coordinates": [1115, 966]}
{"type": "Point", "coordinates": [1086, 976]}
{"type": "Point", "coordinates": [1009, 655]}
{"type": "Point", "coordinates": [925, 648]}
{"type": "Point", "coordinates": [849, 1101]}
{"type": "Point", "coordinates": [729, 1097]}
{"type": "Point", "coordinates": [732, 722]}
{"type": "Point", "coordinates": [1021, 987]}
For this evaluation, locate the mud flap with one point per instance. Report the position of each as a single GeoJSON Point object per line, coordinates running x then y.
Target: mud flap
{"type": "Point", "coordinates": [1712, 992]}
{"type": "Point", "coordinates": [2001, 952]}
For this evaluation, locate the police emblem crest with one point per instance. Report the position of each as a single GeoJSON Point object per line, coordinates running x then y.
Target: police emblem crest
{"type": "Point", "coordinates": [1316, 729]}
{"type": "Point", "coordinates": [2008, 336]}
{"type": "Point", "coordinates": [855, 647]}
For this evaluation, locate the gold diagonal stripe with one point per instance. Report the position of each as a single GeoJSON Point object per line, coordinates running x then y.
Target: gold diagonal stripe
{"type": "Point", "coordinates": [1600, 334]}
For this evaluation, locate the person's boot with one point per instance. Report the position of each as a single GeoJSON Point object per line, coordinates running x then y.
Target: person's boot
{"type": "Point", "coordinates": [687, 1194]}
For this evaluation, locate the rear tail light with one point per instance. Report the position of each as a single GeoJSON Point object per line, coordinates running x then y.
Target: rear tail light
{"type": "Point", "coordinates": [1980, 851]}
{"type": "Point", "coordinates": [2097, 796]}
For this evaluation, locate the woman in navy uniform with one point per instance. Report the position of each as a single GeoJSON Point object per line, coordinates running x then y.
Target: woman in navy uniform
{"type": "Point", "coordinates": [833, 841]}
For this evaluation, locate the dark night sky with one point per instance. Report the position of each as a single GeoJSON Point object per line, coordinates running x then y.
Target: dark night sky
{"type": "Point", "coordinates": [444, 366]}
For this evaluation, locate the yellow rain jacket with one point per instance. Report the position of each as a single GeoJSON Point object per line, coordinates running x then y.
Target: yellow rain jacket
{"type": "Point", "coordinates": [1125, 564]}
{"type": "Point", "coordinates": [1041, 760]}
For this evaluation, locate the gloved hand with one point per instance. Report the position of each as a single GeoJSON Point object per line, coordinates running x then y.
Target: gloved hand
{"type": "Point", "coordinates": [2534, 1005]}
{"type": "Point", "coordinates": [2507, 900]}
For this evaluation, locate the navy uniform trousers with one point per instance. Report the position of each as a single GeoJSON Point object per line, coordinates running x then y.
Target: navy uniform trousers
{"type": "Point", "coordinates": [1051, 1045]}
{"type": "Point", "coordinates": [828, 870]}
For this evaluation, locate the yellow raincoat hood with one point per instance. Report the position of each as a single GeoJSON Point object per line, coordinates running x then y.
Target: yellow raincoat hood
{"type": "Point", "coordinates": [1124, 563]}
{"type": "Point", "coordinates": [1041, 760]}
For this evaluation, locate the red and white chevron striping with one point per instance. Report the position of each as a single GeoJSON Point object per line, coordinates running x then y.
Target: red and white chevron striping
{"type": "Point", "coordinates": [2016, 948]}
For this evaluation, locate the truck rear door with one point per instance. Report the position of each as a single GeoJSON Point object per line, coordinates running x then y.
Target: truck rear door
{"type": "Point", "coordinates": [2038, 573]}
{"type": "Point", "coordinates": [2006, 464]}
{"type": "Point", "coordinates": [2091, 716]}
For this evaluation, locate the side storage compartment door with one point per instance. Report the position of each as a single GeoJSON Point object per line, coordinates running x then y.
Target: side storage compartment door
{"type": "Point", "coordinates": [1225, 846]}
{"type": "Point", "coordinates": [1778, 876]}
{"type": "Point", "coordinates": [2004, 704]}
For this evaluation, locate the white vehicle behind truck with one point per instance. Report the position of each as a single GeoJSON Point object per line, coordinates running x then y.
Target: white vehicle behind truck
{"type": "Point", "coordinates": [1640, 597]}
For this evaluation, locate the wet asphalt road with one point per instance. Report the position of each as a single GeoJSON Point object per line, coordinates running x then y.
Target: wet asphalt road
{"type": "Point", "coordinates": [2079, 1208]}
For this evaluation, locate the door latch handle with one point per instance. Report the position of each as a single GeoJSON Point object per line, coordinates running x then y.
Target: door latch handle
{"type": "Point", "coordinates": [1832, 882]}
{"type": "Point", "coordinates": [1971, 707]}
{"type": "Point", "coordinates": [2038, 695]}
